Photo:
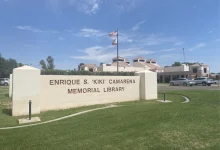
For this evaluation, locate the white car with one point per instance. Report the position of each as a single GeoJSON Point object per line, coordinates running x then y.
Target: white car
{"type": "Point", "coordinates": [4, 81]}
{"type": "Point", "coordinates": [216, 81]}
{"type": "Point", "coordinates": [203, 81]}
{"type": "Point", "coordinates": [182, 81]}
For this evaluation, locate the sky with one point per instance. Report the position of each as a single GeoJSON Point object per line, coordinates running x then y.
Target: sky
{"type": "Point", "coordinates": [77, 31]}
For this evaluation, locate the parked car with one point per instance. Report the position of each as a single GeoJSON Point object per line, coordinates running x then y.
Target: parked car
{"type": "Point", "coordinates": [182, 81]}
{"type": "Point", "coordinates": [216, 81]}
{"type": "Point", "coordinates": [4, 81]}
{"type": "Point", "coordinates": [204, 81]}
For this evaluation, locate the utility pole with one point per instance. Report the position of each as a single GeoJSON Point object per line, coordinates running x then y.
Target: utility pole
{"type": "Point", "coordinates": [184, 55]}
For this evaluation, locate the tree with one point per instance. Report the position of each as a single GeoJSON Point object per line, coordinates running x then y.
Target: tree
{"type": "Point", "coordinates": [20, 64]}
{"type": "Point", "coordinates": [188, 63]}
{"type": "Point", "coordinates": [80, 65]}
{"type": "Point", "coordinates": [43, 64]}
{"type": "Point", "coordinates": [176, 64]}
{"type": "Point", "coordinates": [7, 66]}
{"type": "Point", "coordinates": [50, 63]}
{"type": "Point", "coordinates": [101, 64]}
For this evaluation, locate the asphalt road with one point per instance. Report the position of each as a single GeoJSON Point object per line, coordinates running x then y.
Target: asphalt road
{"type": "Point", "coordinates": [196, 87]}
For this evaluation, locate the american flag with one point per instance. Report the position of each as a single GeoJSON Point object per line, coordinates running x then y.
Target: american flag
{"type": "Point", "coordinates": [114, 33]}
{"type": "Point", "coordinates": [114, 42]}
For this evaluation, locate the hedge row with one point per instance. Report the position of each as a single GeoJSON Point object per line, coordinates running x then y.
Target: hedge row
{"type": "Point", "coordinates": [73, 72]}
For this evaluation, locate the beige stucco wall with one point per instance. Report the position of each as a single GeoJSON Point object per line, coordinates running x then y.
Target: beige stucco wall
{"type": "Point", "coordinates": [138, 64]}
{"type": "Point", "coordinates": [176, 68]}
{"type": "Point", "coordinates": [10, 86]}
{"type": "Point", "coordinates": [53, 92]}
{"type": "Point", "coordinates": [26, 86]}
{"type": "Point", "coordinates": [200, 70]}
{"type": "Point", "coordinates": [148, 84]}
{"type": "Point", "coordinates": [121, 69]}
{"type": "Point", "coordinates": [57, 97]}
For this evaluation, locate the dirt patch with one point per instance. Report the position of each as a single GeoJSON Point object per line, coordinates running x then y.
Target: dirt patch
{"type": "Point", "coordinates": [5, 103]}
{"type": "Point", "coordinates": [199, 144]}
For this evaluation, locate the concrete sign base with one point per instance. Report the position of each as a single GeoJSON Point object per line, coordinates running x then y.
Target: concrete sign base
{"type": "Point", "coordinates": [26, 120]}
{"type": "Point", "coordinates": [162, 101]}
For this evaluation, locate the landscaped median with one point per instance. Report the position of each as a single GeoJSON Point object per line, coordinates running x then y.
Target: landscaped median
{"type": "Point", "coordinates": [134, 125]}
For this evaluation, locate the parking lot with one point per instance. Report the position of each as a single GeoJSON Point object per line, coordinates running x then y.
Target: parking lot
{"type": "Point", "coordinates": [196, 87]}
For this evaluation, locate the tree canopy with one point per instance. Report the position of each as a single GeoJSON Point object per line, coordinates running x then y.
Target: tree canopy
{"type": "Point", "coordinates": [50, 63]}
{"type": "Point", "coordinates": [7, 66]}
{"type": "Point", "coordinates": [176, 64]}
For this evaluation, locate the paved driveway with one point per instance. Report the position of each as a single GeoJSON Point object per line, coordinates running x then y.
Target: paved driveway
{"type": "Point", "coordinates": [196, 87]}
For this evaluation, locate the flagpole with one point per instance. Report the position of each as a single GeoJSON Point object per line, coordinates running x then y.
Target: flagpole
{"type": "Point", "coordinates": [117, 50]}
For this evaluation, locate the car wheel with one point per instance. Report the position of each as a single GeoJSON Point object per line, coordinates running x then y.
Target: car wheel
{"type": "Point", "coordinates": [6, 84]}
{"type": "Point", "coordinates": [203, 83]}
{"type": "Point", "coordinates": [171, 84]}
{"type": "Point", "coordinates": [185, 84]}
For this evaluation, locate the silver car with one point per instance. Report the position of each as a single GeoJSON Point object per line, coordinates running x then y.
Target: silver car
{"type": "Point", "coordinates": [4, 81]}
{"type": "Point", "coordinates": [182, 81]}
{"type": "Point", "coordinates": [204, 81]}
{"type": "Point", "coordinates": [216, 81]}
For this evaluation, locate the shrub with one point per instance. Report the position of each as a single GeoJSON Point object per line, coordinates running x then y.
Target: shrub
{"type": "Point", "coordinates": [73, 72]}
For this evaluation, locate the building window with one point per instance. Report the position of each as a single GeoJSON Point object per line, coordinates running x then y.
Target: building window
{"type": "Point", "coordinates": [135, 60]}
{"type": "Point", "coordinates": [153, 62]}
{"type": "Point", "coordinates": [91, 70]}
{"type": "Point", "coordinates": [205, 70]}
{"type": "Point", "coordinates": [115, 60]}
{"type": "Point", "coordinates": [121, 60]}
{"type": "Point", "coordinates": [141, 60]}
{"type": "Point", "coordinates": [194, 70]}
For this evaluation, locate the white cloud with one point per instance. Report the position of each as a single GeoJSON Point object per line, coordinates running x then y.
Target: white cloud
{"type": "Point", "coordinates": [86, 6]}
{"type": "Point", "coordinates": [200, 45]}
{"type": "Point", "coordinates": [137, 25]}
{"type": "Point", "coordinates": [61, 38]}
{"type": "Point", "coordinates": [97, 53]}
{"type": "Point", "coordinates": [43, 41]}
{"type": "Point", "coordinates": [170, 56]}
{"type": "Point", "coordinates": [87, 32]}
{"type": "Point", "coordinates": [127, 5]}
{"type": "Point", "coordinates": [54, 31]}
{"type": "Point", "coordinates": [210, 31]}
{"type": "Point", "coordinates": [105, 54]}
{"type": "Point", "coordinates": [28, 28]}
{"type": "Point", "coordinates": [153, 39]}
{"type": "Point", "coordinates": [168, 50]}
{"type": "Point", "coordinates": [67, 30]}
{"type": "Point", "coordinates": [28, 45]}
{"type": "Point", "coordinates": [178, 43]}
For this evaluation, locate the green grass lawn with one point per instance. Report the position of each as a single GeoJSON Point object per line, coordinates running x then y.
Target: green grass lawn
{"type": "Point", "coordinates": [139, 125]}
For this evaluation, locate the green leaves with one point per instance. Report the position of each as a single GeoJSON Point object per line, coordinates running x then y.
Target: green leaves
{"type": "Point", "coordinates": [7, 66]}
{"type": "Point", "coordinates": [74, 72]}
